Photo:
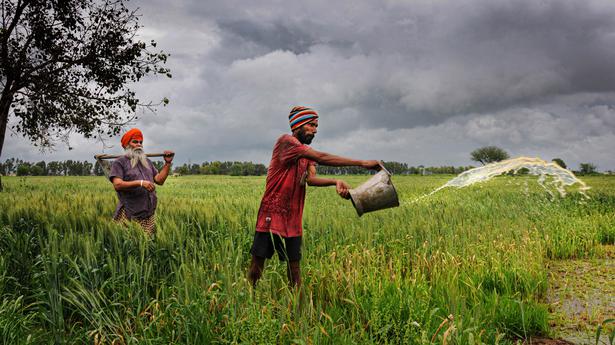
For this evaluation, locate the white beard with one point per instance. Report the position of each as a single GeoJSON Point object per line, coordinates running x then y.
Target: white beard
{"type": "Point", "coordinates": [136, 156]}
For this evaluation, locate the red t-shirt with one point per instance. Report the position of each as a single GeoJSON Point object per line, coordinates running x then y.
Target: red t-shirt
{"type": "Point", "coordinates": [281, 208]}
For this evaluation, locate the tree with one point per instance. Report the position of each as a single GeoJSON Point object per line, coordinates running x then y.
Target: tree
{"type": "Point", "coordinates": [559, 162]}
{"type": "Point", "coordinates": [9, 166]}
{"type": "Point", "coordinates": [183, 170]}
{"type": "Point", "coordinates": [54, 168]}
{"type": "Point", "coordinates": [87, 168]}
{"type": "Point", "coordinates": [488, 154]}
{"type": "Point", "coordinates": [40, 170]}
{"type": "Point", "coordinates": [36, 170]}
{"type": "Point", "coordinates": [23, 169]}
{"type": "Point", "coordinates": [66, 67]}
{"type": "Point", "coordinates": [587, 168]}
{"type": "Point", "coordinates": [99, 170]}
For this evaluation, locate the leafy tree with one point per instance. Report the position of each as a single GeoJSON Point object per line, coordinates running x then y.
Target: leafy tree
{"type": "Point", "coordinates": [183, 170]}
{"type": "Point", "coordinates": [55, 168]}
{"type": "Point", "coordinates": [9, 166]}
{"type": "Point", "coordinates": [41, 168]}
{"type": "Point", "coordinates": [489, 154]}
{"type": "Point", "coordinates": [194, 169]}
{"type": "Point", "coordinates": [86, 168]}
{"type": "Point", "coordinates": [236, 170]}
{"type": "Point", "coordinates": [36, 170]}
{"type": "Point", "coordinates": [23, 169]}
{"type": "Point", "coordinates": [559, 162]}
{"type": "Point", "coordinates": [66, 67]}
{"type": "Point", "coordinates": [587, 168]}
{"type": "Point", "coordinates": [98, 169]}
{"type": "Point", "coordinates": [260, 169]}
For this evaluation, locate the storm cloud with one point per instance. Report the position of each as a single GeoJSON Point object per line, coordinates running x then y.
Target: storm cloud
{"type": "Point", "coordinates": [422, 82]}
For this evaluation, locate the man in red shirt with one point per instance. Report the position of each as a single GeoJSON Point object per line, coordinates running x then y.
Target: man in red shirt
{"type": "Point", "coordinates": [293, 165]}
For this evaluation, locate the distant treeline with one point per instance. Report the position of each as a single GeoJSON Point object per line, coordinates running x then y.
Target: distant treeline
{"type": "Point", "coordinates": [249, 168]}
{"type": "Point", "coordinates": [222, 168]}
{"type": "Point", "coordinates": [18, 167]}
{"type": "Point", "coordinates": [396, 168]}
{"type": "Point", "coordinates": [13, 166]}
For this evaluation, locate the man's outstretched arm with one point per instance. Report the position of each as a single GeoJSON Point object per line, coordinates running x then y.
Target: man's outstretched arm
{"type": "Point", "coordinates": [328, 159]}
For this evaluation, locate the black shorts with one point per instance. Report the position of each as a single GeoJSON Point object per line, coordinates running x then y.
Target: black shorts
{"type": "Point", "coordinates": [288, 248]}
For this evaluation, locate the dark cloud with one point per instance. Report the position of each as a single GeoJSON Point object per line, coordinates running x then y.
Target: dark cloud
{"type": "Point", "coordinates": [420, 81]}
{"type": "Point", "coordinates": [272, 36]}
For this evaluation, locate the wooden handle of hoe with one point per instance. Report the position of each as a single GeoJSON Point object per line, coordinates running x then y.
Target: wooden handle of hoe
{"type": "Point", "coordinates": [106, 156]}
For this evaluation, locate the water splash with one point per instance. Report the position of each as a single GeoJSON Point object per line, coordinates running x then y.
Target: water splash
{"type": "Point", "coordinates": [559, 177]}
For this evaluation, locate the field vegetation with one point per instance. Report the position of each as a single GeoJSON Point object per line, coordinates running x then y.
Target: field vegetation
{"type": "Point", "coordinates": [463, 266]}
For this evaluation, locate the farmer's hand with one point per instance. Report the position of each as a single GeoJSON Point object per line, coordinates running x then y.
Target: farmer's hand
{"type": "Point", "coordinates": [168, 156]}
{"type": "Point", "coordinates": [342, 189]}
{"type": "Point", "coordinates": [371, 164]}
{"type": "Point", "coordinates": [149, 186]}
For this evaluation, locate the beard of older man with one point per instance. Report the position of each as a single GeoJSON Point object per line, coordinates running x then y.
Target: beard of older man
{"type": "Point", "coordinates": [136, 155]}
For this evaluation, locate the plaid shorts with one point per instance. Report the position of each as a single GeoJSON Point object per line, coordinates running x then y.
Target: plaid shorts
{"type": "Point", "coordinates": [148, 224]}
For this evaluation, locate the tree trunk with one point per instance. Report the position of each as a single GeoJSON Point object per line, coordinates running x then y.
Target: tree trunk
{"type": "Point", "coordinates": [5, 104]}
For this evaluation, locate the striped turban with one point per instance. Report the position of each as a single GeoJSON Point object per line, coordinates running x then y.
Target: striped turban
{"type": "Point", "coordinates": [134, 133]}
{"type": "Point", "coordinates": [299, 116]}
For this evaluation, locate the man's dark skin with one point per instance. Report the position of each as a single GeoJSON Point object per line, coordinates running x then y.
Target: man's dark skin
{"type": "Point", "coordinates": [305, 134]}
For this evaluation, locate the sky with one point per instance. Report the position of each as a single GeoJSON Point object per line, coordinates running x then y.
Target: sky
{"type": "Point", "coordinates": [421, 82]}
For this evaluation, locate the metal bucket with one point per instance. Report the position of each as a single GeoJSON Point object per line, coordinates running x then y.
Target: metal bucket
{"type": "Point", "coordinates": [377, 193]}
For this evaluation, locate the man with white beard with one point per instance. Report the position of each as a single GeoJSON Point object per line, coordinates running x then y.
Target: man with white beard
{"type": "Point", "coordinates": [133, 176]}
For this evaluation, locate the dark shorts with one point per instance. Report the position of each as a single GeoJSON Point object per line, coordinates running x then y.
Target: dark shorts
{"type": "Point", "coordinates": [288, 248]}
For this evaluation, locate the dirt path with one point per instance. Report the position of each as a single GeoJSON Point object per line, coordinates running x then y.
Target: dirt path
{"type": "Point", "coordinates": [581, 296]}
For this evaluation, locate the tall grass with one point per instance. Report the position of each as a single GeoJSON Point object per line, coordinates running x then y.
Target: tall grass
{"type": "Point", "coordinates": [461, 267]}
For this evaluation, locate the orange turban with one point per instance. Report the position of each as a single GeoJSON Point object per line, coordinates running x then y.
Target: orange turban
{"type": "Point", "coordinates": [134, 133]}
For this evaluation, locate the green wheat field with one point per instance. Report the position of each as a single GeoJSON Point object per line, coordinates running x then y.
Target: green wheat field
{"type": "Point", "coordinates": [464, 266]}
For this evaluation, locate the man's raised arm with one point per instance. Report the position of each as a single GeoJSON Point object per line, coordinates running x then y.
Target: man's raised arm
{"type": "Point", "coordinates": [166, 168]}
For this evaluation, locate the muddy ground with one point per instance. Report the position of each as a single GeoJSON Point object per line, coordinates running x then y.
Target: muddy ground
{"type": "Point", "coordinates": [581, 296]}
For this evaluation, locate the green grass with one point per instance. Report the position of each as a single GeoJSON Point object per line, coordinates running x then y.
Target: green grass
{"type": "Point", "coordinates": [70, 275]}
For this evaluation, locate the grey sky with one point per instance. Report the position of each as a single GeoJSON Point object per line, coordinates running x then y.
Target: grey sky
{"type": "Point", "coordinates": [423, 82]}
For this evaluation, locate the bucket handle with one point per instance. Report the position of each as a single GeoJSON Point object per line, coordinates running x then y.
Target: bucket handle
{"type": "Point", "coordinates": [381, 163]}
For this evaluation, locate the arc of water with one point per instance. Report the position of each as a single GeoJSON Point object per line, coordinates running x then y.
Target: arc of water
{"type": "Point", "coordinates": [560, 177]}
